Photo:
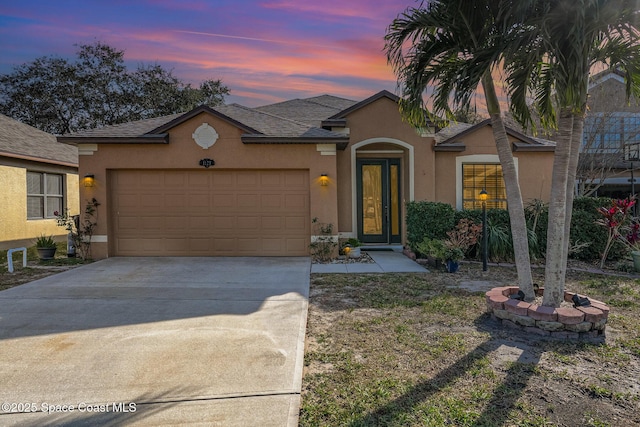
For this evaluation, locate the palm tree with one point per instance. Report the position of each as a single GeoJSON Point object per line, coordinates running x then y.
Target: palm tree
{"type": "Point", "coordinates": [456, 45]}
{"type": "Point", "coordinates": [560, 42]}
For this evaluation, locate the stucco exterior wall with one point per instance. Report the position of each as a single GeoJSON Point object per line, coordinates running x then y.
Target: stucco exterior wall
{"type": "Point", "coordinates": [534, 168]}
{"type": "Point", "coordinates": [228, 153]}
{"type": "Point", "coordinates": [379, 127]}
{"type": "Point", "coordinates": [15, 229]}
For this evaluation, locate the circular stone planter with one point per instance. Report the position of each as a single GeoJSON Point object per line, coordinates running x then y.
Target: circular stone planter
{"type": "Point", "coordinates": [563, 322]}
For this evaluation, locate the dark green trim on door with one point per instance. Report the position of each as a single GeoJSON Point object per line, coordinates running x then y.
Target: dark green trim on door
{"type": "Point", "coordinates": [379, 205]}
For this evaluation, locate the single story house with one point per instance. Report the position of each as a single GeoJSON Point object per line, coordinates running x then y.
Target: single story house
{"type": "Point", "coordinates": [233, 181]}
{"type": "Point", "coordinates": [38, 176]}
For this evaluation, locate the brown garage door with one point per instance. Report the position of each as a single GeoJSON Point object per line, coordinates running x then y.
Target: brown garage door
{"type": "Point", "coordinates": [209, 212]}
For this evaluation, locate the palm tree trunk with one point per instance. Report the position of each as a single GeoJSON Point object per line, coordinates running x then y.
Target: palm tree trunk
{"type": "Point", "coordinates": [556, 243]}
{"type": "Point", "coordinates": [576, 141]}
{"type": "Point", "coordinates": [514, 198]}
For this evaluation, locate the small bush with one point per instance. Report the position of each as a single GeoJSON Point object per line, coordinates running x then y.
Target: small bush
{"type": "Point", "coordinates": [432, 248]}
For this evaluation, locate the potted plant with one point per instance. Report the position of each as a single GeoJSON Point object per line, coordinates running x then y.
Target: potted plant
{"type": "Point", "coordinates": [453, 256]}
{"type": "Point", "coordinates": [459, 241]}
{"type": "Point", "coordinates": [46, 247]}
{"type": "Point", "coordinates": [353, 246]}
{"type": "Point", "coordinates": [434, 250]}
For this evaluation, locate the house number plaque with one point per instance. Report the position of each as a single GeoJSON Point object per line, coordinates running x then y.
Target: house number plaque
{"type": "Point", "coordinates": [207, 163]}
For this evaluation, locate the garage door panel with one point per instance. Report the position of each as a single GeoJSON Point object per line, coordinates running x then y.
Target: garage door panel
{"type": "Point", "coordinates": [249, 223]}
{"type": "Point", "coordinates": [224, 201]}
{"type": "Point", "coordinates": [271, 223]}
{"type": "Point", "coordinates": [198, 223]}
{"type": "Point", "coordinates": [128, 223]}
{"type": "Point", "coordinates": [271, 179]}
{"type": "Point", "coordinates": [199, 180]}
{"type": "Point", "coordinates": [295, 224]}
{"type": "Point", "coordinates": [223, 245]}
{"type": "Point", "coordinates": [247, 179]}
{"type": "Point", "coordinates": [300, 202]}
{"type": "Point", "coordinates": [250, 200]}
{"type": "Point", "coordinates": [127, 201]}
{"type": "Point", "coordinates": [175, 180]}
{"type": "Point", "coordinates": [299, 179]}
{"type": "Point", "coordinates": [272, 245]}
{"type": "Point", "coordinates": [213, 212]}
{"type": "Point", "coordinates": [269, 201]}
{"type": "Point", "coordinates": [222, 180]}
{"type": "Point", "coordinates": [152, 223]}
{"type": "Point", "coordinates": [223, 224]}
{"type": "Point", "coordinates": [295, 245]}
{"type": "Point", "coordinates": [149, 179]}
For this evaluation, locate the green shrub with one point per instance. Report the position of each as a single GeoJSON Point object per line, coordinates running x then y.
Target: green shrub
{"type": "Point", "coordinates": [433, 220]}
{"type": "Point", "coordinates": [500, 244]}
{"type": "Point", "coordinates": [428, 219]}
{"type": "Point", "coordinates": [433, 248]}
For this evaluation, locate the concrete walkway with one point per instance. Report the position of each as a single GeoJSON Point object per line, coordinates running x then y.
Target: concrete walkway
{"type": "Point", "coordinates": [385, 262]}
{"type": "Point", "coordinates": [156, 341]}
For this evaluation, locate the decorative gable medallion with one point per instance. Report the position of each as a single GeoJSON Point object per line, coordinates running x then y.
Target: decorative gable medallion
{"type": "Point", "coordinates": [205, 136]}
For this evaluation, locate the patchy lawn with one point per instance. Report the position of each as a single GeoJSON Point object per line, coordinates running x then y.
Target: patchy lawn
{"type": "Point", "coordinates": [420, 350]}
{"type": "Point", "coordinates": [36, 269]}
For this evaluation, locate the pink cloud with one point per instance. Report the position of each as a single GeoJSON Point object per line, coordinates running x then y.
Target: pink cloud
{"type": "Point", "coordinates": [373, 9]}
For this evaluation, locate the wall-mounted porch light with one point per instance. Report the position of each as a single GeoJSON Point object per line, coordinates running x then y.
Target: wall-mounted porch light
{"type": "Point", "coordinates": [324, 180]}
{"type": "Point", "coordinates": [88, 180]}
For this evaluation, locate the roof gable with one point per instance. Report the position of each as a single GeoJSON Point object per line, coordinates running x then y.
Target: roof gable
{"type": "Point", "coordinates": [191, 114]}
{"type": "Point", "coordinates": [382, 94]}
{"type": "Point", "coordinates": [451, 139]}
{"type": "Point", "coordinates": [604, 76]}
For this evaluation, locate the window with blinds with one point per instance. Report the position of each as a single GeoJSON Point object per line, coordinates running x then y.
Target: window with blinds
{"type": "Point", "coordinates": [44, 195]}
{"type": "Point", "coordinates": [475, 178]}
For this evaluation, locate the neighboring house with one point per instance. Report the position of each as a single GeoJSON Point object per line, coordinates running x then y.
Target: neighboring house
{"type": "Point", "coordinates": [233, 180]}
{"type": "Point", "coordinates": [38, 175]}
{"type": "Point", "coordinates": [610, 147]}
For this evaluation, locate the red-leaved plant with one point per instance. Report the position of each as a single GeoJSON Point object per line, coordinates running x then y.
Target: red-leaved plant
{"type": "Point", "coordinates": [617, 219]}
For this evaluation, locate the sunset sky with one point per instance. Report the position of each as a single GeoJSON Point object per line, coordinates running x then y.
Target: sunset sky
{"type": "Point", "coordinates": [265, 51]}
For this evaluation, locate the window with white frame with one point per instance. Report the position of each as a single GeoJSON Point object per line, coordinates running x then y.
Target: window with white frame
{"type": "Point", "coordinates": [486, 176]}
{"type": "Point", "coordinates": [45, 194]}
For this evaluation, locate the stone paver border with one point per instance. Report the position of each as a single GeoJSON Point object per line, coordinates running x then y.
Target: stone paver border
{"type": "Point", "coordinates": [563, 322]}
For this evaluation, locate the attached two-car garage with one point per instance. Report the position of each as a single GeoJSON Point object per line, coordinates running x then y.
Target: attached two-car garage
{"type": "Point", "coordinates": [210, 212]}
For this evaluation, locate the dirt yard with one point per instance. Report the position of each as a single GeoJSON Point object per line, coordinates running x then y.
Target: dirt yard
{"type": "Point", "coordinates": [419, 349]}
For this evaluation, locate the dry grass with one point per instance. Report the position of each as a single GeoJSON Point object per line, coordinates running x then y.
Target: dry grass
{"type": "Point", "coordinates": [418, 349]}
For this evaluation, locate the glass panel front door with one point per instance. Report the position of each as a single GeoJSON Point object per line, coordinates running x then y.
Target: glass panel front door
{"type": "Point", "coordinates": [372, 203]}
{"type": "Point", "coordinates": [379, 200]}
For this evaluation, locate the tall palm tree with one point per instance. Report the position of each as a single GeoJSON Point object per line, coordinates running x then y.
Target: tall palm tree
{"type": "Point", "coordinates": [455, 45]}
{"type": "Point", "coordinates": [560, 42]}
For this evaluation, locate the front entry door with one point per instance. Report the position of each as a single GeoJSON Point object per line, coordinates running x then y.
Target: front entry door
{"type": "Point", "coordinates": [379, 200]}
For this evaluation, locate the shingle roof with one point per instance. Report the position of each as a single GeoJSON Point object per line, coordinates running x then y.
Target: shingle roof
{"type": "Point", "coordinates": [298, 118]}
{"type": "Point", "coordinates": [130, 129]}
{"type": "Point", "coordinates": [19, 140]}
{"type": "Point", "coordinates": [270, 124]}
{"type": "Point", "coordinates": [450, 131]}
{"type": "Point", "coordinates": [311, 111]}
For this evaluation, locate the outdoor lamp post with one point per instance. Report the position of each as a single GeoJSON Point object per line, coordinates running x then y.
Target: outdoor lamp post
{"type": "Point", "coordinates": [485, 240]}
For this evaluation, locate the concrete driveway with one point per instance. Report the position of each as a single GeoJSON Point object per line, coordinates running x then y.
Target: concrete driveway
{"type": "Point", "coordinates": [156, 341]}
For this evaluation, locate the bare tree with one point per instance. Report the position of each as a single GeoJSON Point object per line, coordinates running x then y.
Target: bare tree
{"type": "Point", "coordinates": [605, 145]}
